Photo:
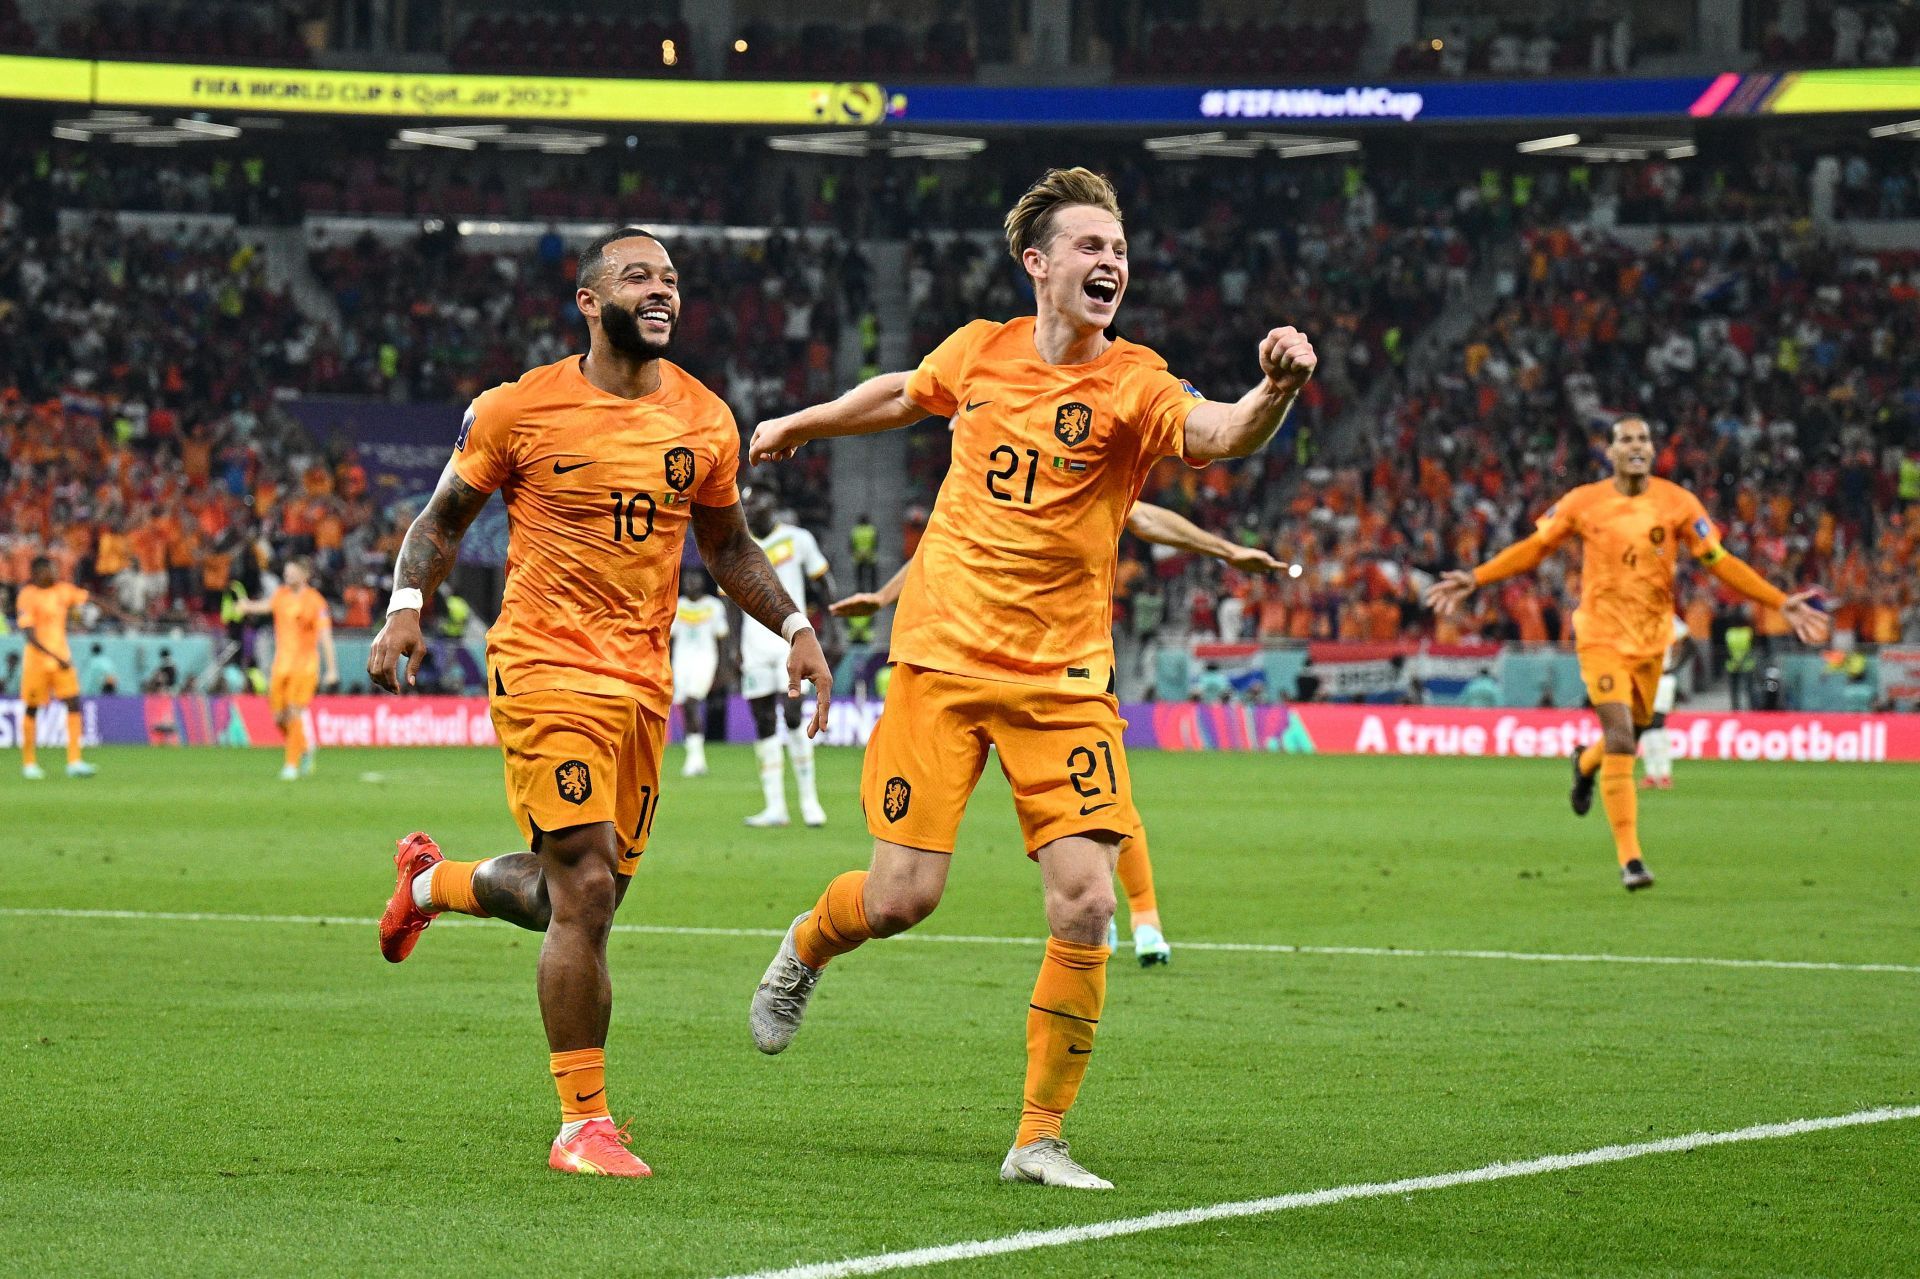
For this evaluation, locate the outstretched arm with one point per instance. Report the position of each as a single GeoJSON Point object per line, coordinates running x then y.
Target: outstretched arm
{"type": "Point", "coordinates": [1162, 527]}
{"type": "Point", "coordinates": [426, 557]}
{"type": "Point", "coordinates": [1452, 589]}
{"type": "Point", "coordinates": [878, 404]}
{"type": "Point", "coordinates": [740, 568]}
{"type": "Point", "coordinates": [1241, 429]}
{"type": "Point", "coordinates": [1809, 623]}
{"type": "Point", "coordinates": [867, 603]}
{"type": "Point", "coordinates": [330, 662]}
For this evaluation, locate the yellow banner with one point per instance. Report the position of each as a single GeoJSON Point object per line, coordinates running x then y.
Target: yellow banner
{"type": "Point", "coordinates": [484, 97]}
{"type": "Point", "coordinates": [1870, 89]}
{"type": "Point", "coordinates": [46, 79]}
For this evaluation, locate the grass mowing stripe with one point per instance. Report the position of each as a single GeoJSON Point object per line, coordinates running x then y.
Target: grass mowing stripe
{"type": "Point", "coordinates": [1029, 1240]}
{"type": "Point", "coordinates": [1264, 948]}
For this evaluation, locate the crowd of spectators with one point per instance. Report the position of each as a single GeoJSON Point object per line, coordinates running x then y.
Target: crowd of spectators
{"type": "Point", "coordinates": [1219, 50]}
{"type": "Point", "coordinates": [251, 33]}
{"type": "Point", "coordinates": [1846, 35]}
{"type": "Point", "coordinates": [1781, 379]}
{"type": "Point", "coordinates": [141, 439]}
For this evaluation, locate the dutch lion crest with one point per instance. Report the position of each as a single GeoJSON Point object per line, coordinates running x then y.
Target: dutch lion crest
{"type": "Point", "coordinates": [574, 780]}
{"type": "Point", "coordinates": [1073, 424]}
{"type": "Point", "coordinates": [898, 795]}
{"type": "Point", "coordinates": [680, 469]}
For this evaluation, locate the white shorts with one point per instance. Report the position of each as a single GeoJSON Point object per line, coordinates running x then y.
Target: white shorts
{"type": "Point", "coordinates": [693, 679]}
{"type": "Point", "coordinates": [763, 679]}
{"type": "Point", "coordinates": [1664, 694]}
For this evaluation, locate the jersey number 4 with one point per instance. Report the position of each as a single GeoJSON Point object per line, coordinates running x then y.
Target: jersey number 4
{"type": "Point", "coordinates": [627, 515]}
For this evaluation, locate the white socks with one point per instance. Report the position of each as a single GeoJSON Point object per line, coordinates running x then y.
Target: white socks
{"type": "Point", "coordinates": [696, 750]}
{"type": "Point", "coordinates": [571, 1129]}
{"type": "Point", "coordinates": [800, 750]}
{"type": "Point", "coordinates": [772, 779]}
{"type": "Point", "coordinates": [1656, 751]}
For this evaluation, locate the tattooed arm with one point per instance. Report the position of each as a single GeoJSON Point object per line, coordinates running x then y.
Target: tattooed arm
{"type": "Point", "coordinates": [740, 568]}
{"type": "Point", "coordinates": [426, 557]}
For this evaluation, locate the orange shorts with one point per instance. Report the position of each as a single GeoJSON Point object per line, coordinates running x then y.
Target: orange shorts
{"type": "Point", "coordinates": [1062, 752]}
{"type": "Point", "coordinates": [41, 680]}
{"type": "Point", "coordinates": [578, 758]}
{"type": "Point", "coordinates": [1612, 678]}
{"type": "Point", "coordinates": [291, 690]}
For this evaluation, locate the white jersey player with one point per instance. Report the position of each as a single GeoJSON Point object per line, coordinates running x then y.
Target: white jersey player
{"type": "Point", "coordinates": [1656, 748]}
{"type": "Point", "coordinates": [797, 561]}
{"type": "Point", "coordinates": [699, 625]}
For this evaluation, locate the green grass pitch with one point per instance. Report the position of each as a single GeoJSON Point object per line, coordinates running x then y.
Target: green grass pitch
{"type": "Point", "coordinates": [248, 1097]}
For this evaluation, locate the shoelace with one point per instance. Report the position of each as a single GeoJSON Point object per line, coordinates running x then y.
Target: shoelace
{"type": "Point", "coordinates": [618, 1134]}
{"type": "Point", "coordinates": [791, 987]}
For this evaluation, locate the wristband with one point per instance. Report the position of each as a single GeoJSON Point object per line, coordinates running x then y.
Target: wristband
{"type": "Point", "coordinates": [795, 623]}
{"type": "Point", "coordinates": [405, 597]}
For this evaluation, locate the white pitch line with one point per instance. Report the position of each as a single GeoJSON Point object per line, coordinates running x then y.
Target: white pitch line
{"type": "Point", "coordinates": [1260, 948]}
{"type": "Point", "coordinates": [1028, 1240]}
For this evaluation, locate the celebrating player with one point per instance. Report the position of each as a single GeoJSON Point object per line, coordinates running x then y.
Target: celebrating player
{"type": "Point", "coordinates": [302, 635]}
{"type": "Point", "coordinates": [1002, 637]}
{"type": "Point", "coordinates": [1656, 750]}
{"type": "Point", "coordinates": [796, 557]}
{"type": "Point", "coordinates": [604, 461]}
{"type": "Point", "coordinates": [1159, 525]}
{"type": "Point", "coordinates": [47, 674]}
{"type": "Point", "coordinates": [1630, 528]}
{"type": "Point", "coordinates": [699, 624]}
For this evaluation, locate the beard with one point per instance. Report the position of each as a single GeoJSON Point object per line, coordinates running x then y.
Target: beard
{"type": "Point", "coordinates": [622, 328]}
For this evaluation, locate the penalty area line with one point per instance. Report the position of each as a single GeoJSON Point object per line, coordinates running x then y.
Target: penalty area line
{"type": "Point", "coordinates": [961, 939]}
{"type": "Point", "coordinates": [1029, 1240]}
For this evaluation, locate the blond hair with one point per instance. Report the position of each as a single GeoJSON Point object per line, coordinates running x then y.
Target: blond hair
{"type": "Point", "coordinates": [1030, 222]}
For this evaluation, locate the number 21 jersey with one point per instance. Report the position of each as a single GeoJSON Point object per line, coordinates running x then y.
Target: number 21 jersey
{"type": "Point", "coordinates": [1014, 577]}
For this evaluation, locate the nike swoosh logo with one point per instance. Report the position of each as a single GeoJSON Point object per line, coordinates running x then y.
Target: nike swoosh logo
{"type": "Point", "coordinates": [1084, 809]}
{"type": "Point", "coordinates": [1077, 1052]}
{"type": "Point", "coordinates": [562, 470]}
{"type": "Point", "coordinates": [602, 1088]}
{"type": "Point", "coordinates": [971, 406]}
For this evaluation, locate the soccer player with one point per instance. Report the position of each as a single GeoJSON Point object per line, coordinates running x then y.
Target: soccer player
{"type": "Point", "coordinates": [1149, 523]}
{"type": "Point", "coordinates": [41, 609]}
{"type": "Point", "coordinates": [1656, 751]}
{"type": "Point", "coordinates": [1631, 528]}
{"type": "Point", "coordinates": [604, 461]}
{"type": "Point", "coordinates": [796, 557]}
{"type": "Point", "coordinates": [699, 624]}
{"type": "Point", "coordinates": [302, 636]}
{"type": "Point", "coordinates": [1002, 637]}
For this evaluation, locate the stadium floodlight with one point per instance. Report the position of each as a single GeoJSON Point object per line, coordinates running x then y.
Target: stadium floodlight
{"type": "Point", "coordinates": [1905, 129]}
{"type": "Point", "coordinates": [438, 138]}
{"type": "Point", "coordinates": [1554, 143]}
{"type": "Point", "coordinates": [1216, 143]}
{"type": "Point", "coordinates": [207, 128]}
{"type": "Point", "coordinates": [897, 144]}
{"type": "Point", "coordinates": [1613, 148]}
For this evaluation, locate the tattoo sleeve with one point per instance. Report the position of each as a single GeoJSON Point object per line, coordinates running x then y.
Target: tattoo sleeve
{"type": "Point", "coordinates": [739, 566]}
{"type": "Point", "coordinates": [427, 554]}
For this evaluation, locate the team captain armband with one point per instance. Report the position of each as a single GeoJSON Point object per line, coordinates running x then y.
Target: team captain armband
{"type": "Point", "coordinates": [1712, 553]}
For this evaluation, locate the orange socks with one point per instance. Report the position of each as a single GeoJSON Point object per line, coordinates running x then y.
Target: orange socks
{"type": "Point", "coordinates": [838, 923]}
{"type": "Point", "coordinates": [29, 738]}
{"type": "Point", "coordinates": [451, 888]}
{"type": "Point", "coordinates": [296, 742]}
{"type": "Point", "coordinates": [1623, 805]}
{"type": "Point", "coordinates": [1060, 1022]}
{"type": "Point", "coordinates": [581, 1077]}
{"type": "Point", "coordinates": [1590, 757]}
{"type": "Point", "coordinates": [75, 731]}
{"type": "Point", "coordinates": [1136, 876]}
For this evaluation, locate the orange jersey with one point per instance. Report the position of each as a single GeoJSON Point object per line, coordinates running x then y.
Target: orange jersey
{"type": "Point", "coordinates": [44, 612]}
{"type": "Point", "coordinates": [599, 493]}
{"type": "Point", "coordinates": [299, 619]}
{"type": "Point", "coordinates": [1014, 577]}
{"type": "Point", "coordinates": [1629, 550]}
